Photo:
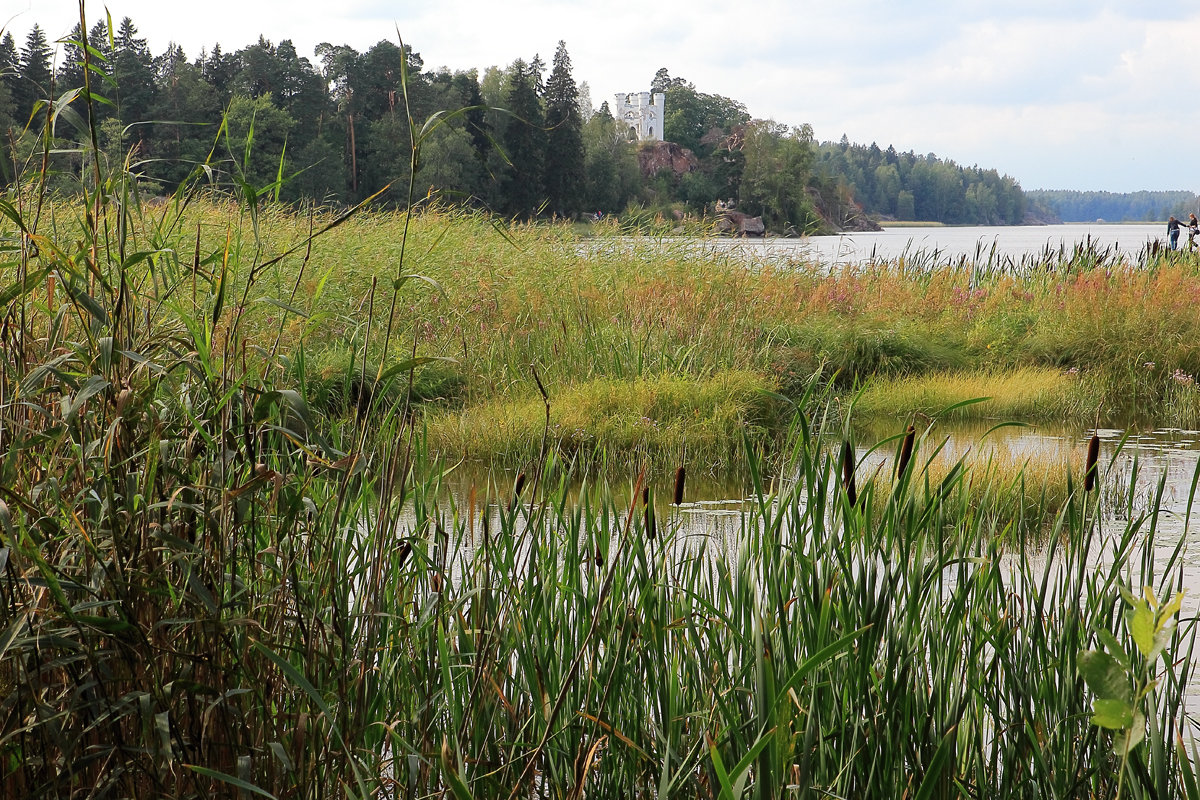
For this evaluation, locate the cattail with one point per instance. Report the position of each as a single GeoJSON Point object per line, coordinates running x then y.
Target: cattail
{"type": "Point", "coordinates": [648, 510]}
{"type": "Point", "coordinates": [848, 473]}
{"type": "Point", "coordinates": [518, 485]}
{"type": "Point", "coordinates": [906, 449]}
{"type": "Point", "coordinates": [680, 474]}
{"type": "Point", "coordinates": [1093, 455]}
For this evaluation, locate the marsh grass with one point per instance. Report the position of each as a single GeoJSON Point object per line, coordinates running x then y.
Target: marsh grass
{"type": "Point", "coordinates": [1004, 482]}
{"type": "Point", "coordinates": [661, 422]}
{"type": "Point", "coordinates": [1028, 393]}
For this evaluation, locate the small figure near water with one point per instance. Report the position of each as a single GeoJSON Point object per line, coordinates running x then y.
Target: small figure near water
{"type": "Point", "coordinates": [1193, 229]}
{"type": "Point", "coordinates": [1173, 226]}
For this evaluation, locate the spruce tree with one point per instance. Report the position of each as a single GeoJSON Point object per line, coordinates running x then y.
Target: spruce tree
{"type": "Point", "coordinates": [34, 68]}
{"type": "Point", "coordinates": [525, 143]}
{"type": "Point", "coordinates": [133, 68]}
{"type": "Point", "coordinates": [10, 70]}
{"type": "Point", "coordinates": [564, 162]}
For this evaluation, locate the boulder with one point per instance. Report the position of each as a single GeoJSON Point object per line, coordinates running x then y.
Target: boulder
{"type": "Point", "coordinates": [735, 223]}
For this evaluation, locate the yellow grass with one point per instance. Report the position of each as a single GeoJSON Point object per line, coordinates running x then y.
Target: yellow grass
{"type": "Point", "coordinates": [1023, 393]}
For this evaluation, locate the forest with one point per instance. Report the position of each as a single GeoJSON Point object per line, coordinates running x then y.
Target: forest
{"type": "Point", "coordinates": [1076, 206]}
{"type": "Point", "coordinates": [523, 141]}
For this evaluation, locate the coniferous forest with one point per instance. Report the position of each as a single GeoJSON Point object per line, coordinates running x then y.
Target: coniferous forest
{"type": "Point", "coordinates": [334, 129]}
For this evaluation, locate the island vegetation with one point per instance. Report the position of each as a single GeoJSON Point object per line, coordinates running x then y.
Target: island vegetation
{"type": "Point", "coordinates": [231, 562]}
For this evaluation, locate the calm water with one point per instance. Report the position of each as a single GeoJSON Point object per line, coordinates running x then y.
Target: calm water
{"type": "Point", "coordinates": [1014, 242]}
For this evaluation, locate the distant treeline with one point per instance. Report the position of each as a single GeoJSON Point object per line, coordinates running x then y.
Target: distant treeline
{"type": "Point", "coordinates": [906, 186]}
{"type": "Point", "coordinates": [337, 131]}
{"type": "Point", "coordinates": [1073, 206]}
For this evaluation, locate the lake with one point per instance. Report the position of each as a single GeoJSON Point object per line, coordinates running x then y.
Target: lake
{"type": "Point", "coordinates": [950, 244]}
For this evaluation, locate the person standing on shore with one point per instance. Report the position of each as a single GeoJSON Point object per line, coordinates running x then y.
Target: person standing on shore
{"type": "Point", "coordinates": [1193, 229]}
{"type": "Point", "coordinates": [1173, 226]}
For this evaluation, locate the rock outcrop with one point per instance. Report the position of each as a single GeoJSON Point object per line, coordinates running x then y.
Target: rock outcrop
{"type": "Point", "coordinates": [735, 223]}
{"type": "Point", "coordinates": [654, 157]}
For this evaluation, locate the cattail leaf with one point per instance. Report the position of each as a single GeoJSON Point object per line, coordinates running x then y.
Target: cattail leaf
{"type": "Point", "coordinates": [817, 659]}
{"type": "Point", "coordinates": [237, 783]}
{"type": "Point", "coordinates": [457, 784]}
{"type": "Point", "coordinates": [932, 780]}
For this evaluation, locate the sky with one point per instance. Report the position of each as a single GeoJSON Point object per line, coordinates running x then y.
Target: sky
{"type": "Point", "coordinates": [1059, 94]}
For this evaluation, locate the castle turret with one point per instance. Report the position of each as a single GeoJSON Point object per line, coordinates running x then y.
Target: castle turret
{"type": "Point", "coordinates": [641, 115]}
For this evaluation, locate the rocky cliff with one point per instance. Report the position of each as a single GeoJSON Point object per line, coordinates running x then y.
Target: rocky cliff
{"type": "Point", "coordinates": [654, 157]}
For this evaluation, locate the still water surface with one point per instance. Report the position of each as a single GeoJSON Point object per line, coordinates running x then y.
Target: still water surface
{"type": "Point", "coordinates": [946, 244]}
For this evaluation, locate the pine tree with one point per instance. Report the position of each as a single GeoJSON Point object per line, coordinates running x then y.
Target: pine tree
{"type": "Point", "coordinates": [524, 142]}
{"type": "Point", "coordinates": [564, 160]}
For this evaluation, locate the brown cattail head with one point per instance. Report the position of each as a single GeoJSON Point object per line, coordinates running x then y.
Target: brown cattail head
{"type": "Point", "coordinates": [848, 473]}
{"type": "Point", "coordinates": [518, 485]}
{"type": "Point", "coordinates": [680, 475]}
{"type": "Point", "coordinates": [648, 511]}
{"type": "Point", "coordinates": [906, 449]}
{"type": "Point", "coordinates": [1093, 456]}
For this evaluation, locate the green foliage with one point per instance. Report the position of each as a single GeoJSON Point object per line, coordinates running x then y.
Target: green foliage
{"type": "Point", "coordinates": [912, 187]}
{"type": "Point", "coordinates": [564, 168]}
{"type": "Point", "coordinates": [1124, 683]}
{"type": "Point", "coordinates": [1077, 206]}
{"type": "Point", "coordinates": [524, 143]}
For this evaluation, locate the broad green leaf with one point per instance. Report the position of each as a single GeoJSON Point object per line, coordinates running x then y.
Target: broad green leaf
{"type": "Point", "coordinates": [1112, 714]}
{"type": "Point", "coordinates": [1141, 626]}
{"type": "Point", "coordinates": [1132, 737]}
{"type": "Point", "coordinates": [1105, 676]}
{"type": "Point", "coordinates": [1114, 647]}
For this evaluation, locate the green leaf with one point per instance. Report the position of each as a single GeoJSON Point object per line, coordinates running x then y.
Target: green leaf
{"type": "Point", "coordinates": [409, 364]}
{"type": "Point", "coordinates": [1132, 737]}
{"type": "Point", "coordinates": [15, 290]}
{"type": "Point", "coordinates": [285, 306]}
{"type": "Point", "coordinates": [816, 660]}
{"type": "Point", "coordinates": [1114, 647]}
{"type": "Point", "coordinates": [1141, 626]}
{"type": "Point", "coordinates": [1105, 676]}
{"type": "Point", "coordinates": [929, 784]}
{"type": "Point", "coordinates": [457, 785]}
{"type": "Point", "coordinates": [1112, 714]}
{"type": "Point", "coordinates": [229, 779]}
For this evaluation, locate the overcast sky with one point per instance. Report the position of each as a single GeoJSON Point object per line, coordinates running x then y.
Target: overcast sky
{"type": "Point", "coordinates": [1060, 94]}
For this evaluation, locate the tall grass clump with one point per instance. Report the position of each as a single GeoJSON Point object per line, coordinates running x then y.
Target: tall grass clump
{"type": "Point", "coordinates": [193, 602]}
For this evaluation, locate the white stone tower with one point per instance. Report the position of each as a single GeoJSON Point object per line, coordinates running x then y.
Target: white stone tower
{"type": "Point", "coordinates": [640, 116]}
